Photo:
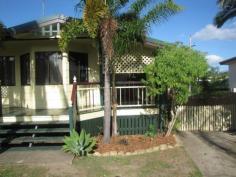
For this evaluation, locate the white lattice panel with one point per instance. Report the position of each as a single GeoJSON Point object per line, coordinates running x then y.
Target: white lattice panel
{"type": "Point", "coordinates": [134, 63]}
{"type": "Point", "coordinates": [4, 92]}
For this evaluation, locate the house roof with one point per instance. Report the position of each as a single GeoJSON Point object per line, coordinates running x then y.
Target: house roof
{"type": "Point", "coordinates": [228, 61]}
{"type": "Point", "coordinates": [34, 25]}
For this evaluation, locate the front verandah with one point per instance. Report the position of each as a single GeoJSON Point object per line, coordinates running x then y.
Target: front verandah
{"type": "Point", "coordinates": [36, 75]}
{"type": "Point", "coordinates": [131, 100]}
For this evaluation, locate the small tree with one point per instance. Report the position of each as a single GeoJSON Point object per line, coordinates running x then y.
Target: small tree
{"type": "Point", "coordinates": [174, 69]}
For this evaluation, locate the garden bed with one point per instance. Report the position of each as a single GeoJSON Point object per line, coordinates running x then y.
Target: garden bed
{"type": "Point", "coordinates": [133, 143]}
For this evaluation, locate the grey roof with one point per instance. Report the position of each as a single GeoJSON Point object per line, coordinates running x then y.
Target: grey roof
{"type": "Point", "coordinates": [34, 24]}
{"type": "Point", "coordinates": [228, 61]}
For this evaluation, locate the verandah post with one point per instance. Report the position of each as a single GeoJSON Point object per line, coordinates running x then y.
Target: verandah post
{"type": "Point", "coordinates": [73, 107]}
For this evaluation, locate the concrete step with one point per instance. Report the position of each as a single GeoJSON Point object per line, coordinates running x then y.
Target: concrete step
{"type": "Point", "coordinates": [26, 140]}
{"type": "Point", "coordinates": [34, 131]}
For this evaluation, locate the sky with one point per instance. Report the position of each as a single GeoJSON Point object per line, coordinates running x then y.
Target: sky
{"type": "Point", "coordinates": [195, 21]}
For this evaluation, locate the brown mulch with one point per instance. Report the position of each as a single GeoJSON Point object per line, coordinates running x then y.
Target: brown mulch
{"type": "Point", "coordinates": [131, 143]}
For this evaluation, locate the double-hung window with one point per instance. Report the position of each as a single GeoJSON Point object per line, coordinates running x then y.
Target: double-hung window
{"type": "Point", "coordinates": [25, 69]}
{"type": "Point", "coordinates": [7, 70]}
{"type": "Point", "coordinates": [48, 68]}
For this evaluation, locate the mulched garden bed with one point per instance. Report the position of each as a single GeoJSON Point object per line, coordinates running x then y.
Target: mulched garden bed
{"type": "Point", "coordinates": [132, 143]}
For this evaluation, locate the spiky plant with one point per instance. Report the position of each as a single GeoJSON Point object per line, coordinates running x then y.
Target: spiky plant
{"type": "Point", "coordinates": [79, 144]}
{"type": "Point", "coordinates": [119, 30]}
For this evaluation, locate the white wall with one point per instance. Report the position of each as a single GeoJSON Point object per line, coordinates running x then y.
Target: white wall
{"type": "Point", "coordinates": [44, 96]}
{"type": "Point", "coordinates": [232, 76]}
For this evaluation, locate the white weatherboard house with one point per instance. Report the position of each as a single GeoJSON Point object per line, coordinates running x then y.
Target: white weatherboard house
{"type": "Point", "coordinates": [232, 72]}
{"type": "Point", "coordinates": [35, 75]}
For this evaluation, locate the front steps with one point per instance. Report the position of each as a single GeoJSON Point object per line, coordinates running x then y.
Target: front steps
{"type": "Point", "coordinates": [30, 134]}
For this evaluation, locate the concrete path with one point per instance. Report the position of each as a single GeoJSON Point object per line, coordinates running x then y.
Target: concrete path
{"type": "Point", "coordinates": [31, 156]}
{"type": "Point", "coordinates": [213, 152]}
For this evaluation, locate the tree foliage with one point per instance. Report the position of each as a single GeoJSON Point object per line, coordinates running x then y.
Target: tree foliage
{"type": "Point", "coordinates": [73, 29]}
{"type": "Point", "coordinates": [215, 82]}
{"type": "Point", "coordinates": [175, 68]}
{"type": "Point", "coordinates": [227, 11]}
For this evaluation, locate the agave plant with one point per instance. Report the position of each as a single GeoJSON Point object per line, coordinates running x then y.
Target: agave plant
{"type": "Point", "coordinates": [79, 144]}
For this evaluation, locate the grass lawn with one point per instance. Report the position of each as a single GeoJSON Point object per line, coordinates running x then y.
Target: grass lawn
{"type": "Point", "coordinates": [169, 163]}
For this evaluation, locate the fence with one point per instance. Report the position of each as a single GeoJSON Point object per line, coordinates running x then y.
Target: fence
{"type": "Point", "coordinates": [208, 113]}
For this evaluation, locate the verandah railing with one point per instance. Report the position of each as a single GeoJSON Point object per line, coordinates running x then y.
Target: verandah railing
{"type": "Point", "coordinates": [127, 96]}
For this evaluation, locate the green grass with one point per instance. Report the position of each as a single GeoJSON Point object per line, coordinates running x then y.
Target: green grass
{"type": "Point", "coordinates": [21, 171]}
{"type": "Point", "coordinates": [195, 173]}
{"type": "Point", "coordinates": [169, 163]}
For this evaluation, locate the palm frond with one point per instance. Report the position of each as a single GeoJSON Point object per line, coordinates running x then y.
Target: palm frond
{"type": "Point", "coordinates": [161, 12]}
{"type": "Point", "coordinates": [227, 11]}
{"type": "Point", "coordinates": [224, 16]}
{"type": "Point", "coordinates": [80, 5]}
{"type": "Point", "coordinates": [139, 5]}
{"type": "Point", "coordinates": [116, 5]}
{"type": "Point", "coordinates": [130, 34]}
{"type": "Point", "coordinates": [127, 16]}
{"type": "Point", "coordinates": [94, 12]}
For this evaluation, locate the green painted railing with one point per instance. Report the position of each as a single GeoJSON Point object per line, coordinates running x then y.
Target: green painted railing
{"type": "Point", "coordinates": [127, 125]}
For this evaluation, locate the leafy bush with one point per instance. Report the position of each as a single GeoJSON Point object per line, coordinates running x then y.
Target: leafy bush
{"type": "Point", "coordinates": [79, 145]}
{"type": "Point", "coordinates": [151, 132]}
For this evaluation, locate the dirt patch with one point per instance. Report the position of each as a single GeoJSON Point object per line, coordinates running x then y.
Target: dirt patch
{"type": "Point", "coordinates": [131, 143]}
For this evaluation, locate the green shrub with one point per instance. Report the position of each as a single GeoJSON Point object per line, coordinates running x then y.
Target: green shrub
{"type": "Point", "coordinates": [151, 132]}
{"type": "Point", "coordinates": [79, 145]}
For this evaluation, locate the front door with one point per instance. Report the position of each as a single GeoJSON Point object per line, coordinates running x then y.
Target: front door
{"type": "Point", "coordinates": [78, 67]}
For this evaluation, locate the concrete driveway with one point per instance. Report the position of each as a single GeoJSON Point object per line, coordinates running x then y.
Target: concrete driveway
{"type": "Point", "coordinates": [213, 152]}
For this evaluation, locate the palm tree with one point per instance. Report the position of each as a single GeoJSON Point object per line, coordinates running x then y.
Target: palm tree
{"type": "Point", "coordinates": [118, 31]}
{"type": "Point", "coordinates": [227, 11]}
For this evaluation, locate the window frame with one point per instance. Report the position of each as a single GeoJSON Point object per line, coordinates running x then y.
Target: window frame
{"type": "Point", "coordinates": [5, 73]}
{"type": "Point", "coordinates": [25, 73]}
{"type": "Point", "coordinates": [48, 69]}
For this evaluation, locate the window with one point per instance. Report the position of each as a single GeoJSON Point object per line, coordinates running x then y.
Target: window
{"type": "Point", "coordinates": [78, 66]}
{"type": "Point", "coordinates": [25, 69]}
{"type": "Point", "coordinates": [51, 30]}
{"type": "Point", "coordinates": [48, 68]}
{"type": "Point", "coordinates": [7, 70]}
{"type": "Point", "coordinates": [46, 31]}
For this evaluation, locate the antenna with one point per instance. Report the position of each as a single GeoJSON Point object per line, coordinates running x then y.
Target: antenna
{"type": "Point", "coordinates": [43, 7]}
{"type": "Point", "coordinates": [190, 41]}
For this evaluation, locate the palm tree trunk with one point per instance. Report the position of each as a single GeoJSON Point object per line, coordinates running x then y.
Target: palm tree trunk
{"type": "Point", "coordinates": [107, 103]}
